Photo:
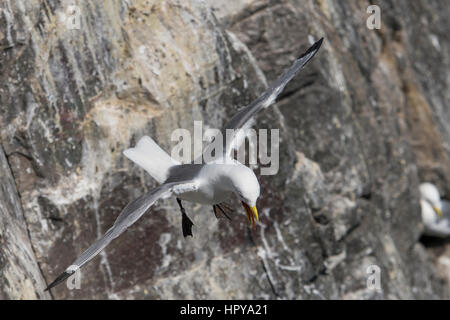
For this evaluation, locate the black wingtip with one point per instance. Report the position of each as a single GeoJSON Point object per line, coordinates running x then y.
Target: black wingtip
{"type": "Point", "coordinates": [314, 48]}
{"type": "Point", "coordinates": [63, 276]}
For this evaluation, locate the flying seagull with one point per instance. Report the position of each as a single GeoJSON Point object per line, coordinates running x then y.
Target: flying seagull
{"type": "Point", "coordinates": [435, 211]}
{"type": "Point", "coordinates": [210, 183]}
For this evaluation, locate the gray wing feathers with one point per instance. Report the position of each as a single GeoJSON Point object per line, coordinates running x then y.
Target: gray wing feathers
{"type": "Point", "coordinates": [242, 117]}
{"type": "Point", "coordinates": [129, 215]}
{"type": "Point", "coordinates": [440, 229]}
{"type": "Point", "coordinates": [445, 209]}
{"type": "Point", "coordinates": [269, 96]}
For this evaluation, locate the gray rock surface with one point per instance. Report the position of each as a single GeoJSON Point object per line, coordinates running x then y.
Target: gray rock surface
{"type": "Point", "coordinates": [363, 124]}
{"type": "Point", "coordinates": [21, 277]}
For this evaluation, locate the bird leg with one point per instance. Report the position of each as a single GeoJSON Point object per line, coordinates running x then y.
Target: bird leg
{"type": "Point", "coordinates": [215, 211]}
{"type": "Point", "coordinates": [186, 223]}
{"type": "Point", "coordinates": [222, 210]}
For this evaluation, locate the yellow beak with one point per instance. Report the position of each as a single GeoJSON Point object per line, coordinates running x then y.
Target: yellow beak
{"type": "Point", "coordinates": [438, 211]}
{"type": "Point", "coordinates": [252, 213]}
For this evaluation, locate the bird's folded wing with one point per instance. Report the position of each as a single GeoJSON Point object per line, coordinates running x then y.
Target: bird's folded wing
{"type": "Point", "coordinates": [243, 119]}
{"type": "Point", "coordinates": [440, 229]}
{"type": "Point", "coordinates": [445, 209]}
{"type": "Point", "coordinates": [129, 215]}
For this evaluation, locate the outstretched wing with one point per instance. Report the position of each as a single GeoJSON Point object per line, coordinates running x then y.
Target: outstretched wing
{"type": "Point", "coordinates": [129, 215]}
{"type": "Point", "coordinates": [243, 119]}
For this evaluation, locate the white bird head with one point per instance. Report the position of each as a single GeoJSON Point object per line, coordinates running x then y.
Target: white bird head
{"type": "Point", "coordinates": [245, 185]}
{"type": "Point", "coordinates": [430, 194]}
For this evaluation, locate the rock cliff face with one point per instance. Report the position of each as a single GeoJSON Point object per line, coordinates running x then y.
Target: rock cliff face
{"type": "Point", "coordinates": [362, 125]}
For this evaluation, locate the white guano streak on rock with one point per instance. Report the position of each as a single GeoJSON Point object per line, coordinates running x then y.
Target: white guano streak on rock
{"type": "Point", "coordinates": [164, 240]}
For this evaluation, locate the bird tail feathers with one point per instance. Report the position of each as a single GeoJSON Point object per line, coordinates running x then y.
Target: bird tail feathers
{"type": "Point", "coordinates": [148, 155]}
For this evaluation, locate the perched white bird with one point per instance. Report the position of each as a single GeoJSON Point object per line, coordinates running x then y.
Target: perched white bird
{"type": "Point", "coordinates": [435, 211]}
{"type": "Point", "coordinates": [209, 183]}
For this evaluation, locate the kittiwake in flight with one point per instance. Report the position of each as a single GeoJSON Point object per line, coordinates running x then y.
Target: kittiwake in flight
{"type": "Point", "coordinates": [435, 211]}
{"type": "Point", "coordinates": [210, 183]}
